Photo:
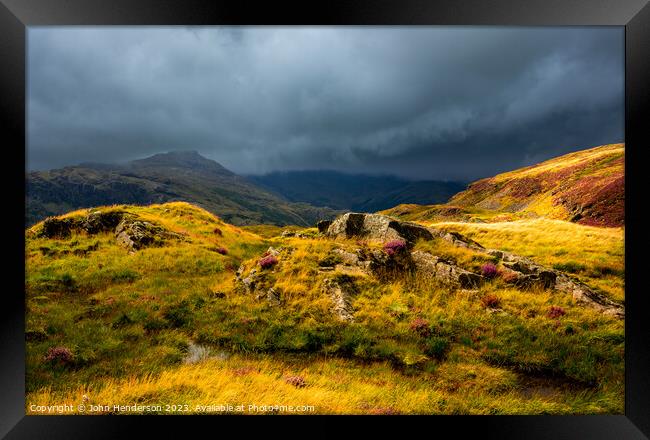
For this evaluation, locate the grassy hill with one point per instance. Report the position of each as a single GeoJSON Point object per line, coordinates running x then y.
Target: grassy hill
{"type": "Point", "coordinates": [586, 187]}
{"type": "Point", "coordinates": [171, 322]}
{"type": "Point", "coordinates": [176, 176]}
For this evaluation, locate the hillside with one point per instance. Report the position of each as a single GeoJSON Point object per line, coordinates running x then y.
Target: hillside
{"type": "Point", "coordinates": [356, 192]}
{"type": "Point", "coordinates": [176, 176]}
{"type": "Point", "coordinates": [169, 304]}
{"type": "Point", "coordinates": [586, 187]}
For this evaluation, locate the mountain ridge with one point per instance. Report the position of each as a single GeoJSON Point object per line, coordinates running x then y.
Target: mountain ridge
{"type": "Point", "coordinates": [174, 176]}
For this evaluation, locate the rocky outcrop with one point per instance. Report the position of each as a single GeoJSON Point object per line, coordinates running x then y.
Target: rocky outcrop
{"type": "Point", "coordinates": [456, 239]}
{"type": "Point", "coordinates": [430, 266]}
{"type": "Point", "coordinates": [524, 272]}
{"type": "Point", "coordinates": [136, 234]}
{"type": "Point", "coordinates": [529, 274]}
{"type": "Point", "coordinates": [94, 223]}
{"type": "Point", "coordinates": [383, 228]}
{"type": "Point", "coordinates": [340, 291]}
{"type": "Point", "coordinates": [376, 227]}
{"type": "Point", "coordinates": [584, 295]}
{"type": "Point", "coordinates": [130, 231]}
{"type": "Point", "coordinates": [58, 228]}
{"type": "Point", "coordinates": [257, 282]}
{"type": "Point", "coordinates": [102, 221]}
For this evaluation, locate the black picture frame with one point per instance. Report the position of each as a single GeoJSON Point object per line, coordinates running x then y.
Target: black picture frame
{"type": "Point", "coordinates": [17, 15]}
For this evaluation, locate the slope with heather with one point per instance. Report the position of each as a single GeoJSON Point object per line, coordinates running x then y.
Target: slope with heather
{"type": "Point", "coordinates": [586, 187]}
{"type": "Point", "coordinates": [211, 313]}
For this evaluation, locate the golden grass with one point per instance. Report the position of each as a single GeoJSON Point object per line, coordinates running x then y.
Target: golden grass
{"type": "Point", "coordinates": [565, 161]}
{"type": "Point", "coordinates": [333, 386]}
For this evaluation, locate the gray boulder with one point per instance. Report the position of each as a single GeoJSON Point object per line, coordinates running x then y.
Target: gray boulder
{"type": "Point", "coordinates": [376, 227]}
{"type": "Point", "coordinates": [136, 234]}
{"type": "Point", "coordinates": [430, 266]}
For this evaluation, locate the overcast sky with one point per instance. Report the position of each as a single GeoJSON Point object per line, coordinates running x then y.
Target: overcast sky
{"type": "Point", "coordinates": [444, 103]}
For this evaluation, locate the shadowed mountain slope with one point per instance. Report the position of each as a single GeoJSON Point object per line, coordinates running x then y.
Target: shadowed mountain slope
{"type": "Point", "coordinates": [175, 176]}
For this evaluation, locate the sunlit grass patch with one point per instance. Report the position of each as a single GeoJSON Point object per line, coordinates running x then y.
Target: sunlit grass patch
{"type": "Point", "coordinates": [594, 255]}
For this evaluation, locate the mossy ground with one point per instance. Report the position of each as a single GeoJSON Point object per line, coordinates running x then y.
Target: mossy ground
{"type": "Point", "coordinates": [130, 321]}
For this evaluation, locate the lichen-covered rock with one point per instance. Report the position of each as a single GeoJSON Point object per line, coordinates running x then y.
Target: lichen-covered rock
{"type": "Point", "coordinates": [346, 257]}
{"type": "Point", "coordinates": [271, 251]}
{"type": "Point", "coordinates": [136, 234]}
{"type": "Point", "coordinates": [376, 227]}
{"type": "Point", "coordinates": [273, 296]}
{"type": "Point", "coordinates": [456, 239]}
{"type": "Point", "coordinates": [582, 294]}
{"type": "Point", "coordinates": [544, 279]}
{"type": "Point", "coordinates": [340, 290]}
{"type": "Point", "coordinates": [430, 266]}
{"type": "Point", "coordinates": [250, 281]}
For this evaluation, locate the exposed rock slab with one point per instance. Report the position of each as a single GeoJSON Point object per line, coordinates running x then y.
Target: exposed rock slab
{"type": "Point", "coordinates": [340, 292]}
{"type": "Point", "coordinates": [530, 273]}
{"type": "Point", "coordinates": [376, 227]}
{"type": "Point", "coordinates": [136, 234]}
{"type": "Point", "coordinates": [431, 266]}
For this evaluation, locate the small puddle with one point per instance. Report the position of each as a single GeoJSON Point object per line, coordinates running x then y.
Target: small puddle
{"type": "Point", "coordinates": [547, 387]}
{"type": "Point", "coordinates": [198, 353]}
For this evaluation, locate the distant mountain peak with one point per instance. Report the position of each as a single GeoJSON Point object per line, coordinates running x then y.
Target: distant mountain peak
{"type": "Point", "coordinates": [182, 159]}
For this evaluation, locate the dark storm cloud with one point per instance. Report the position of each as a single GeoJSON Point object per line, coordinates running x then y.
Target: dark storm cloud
{"type": "Point", "coordinates": [424, 102]}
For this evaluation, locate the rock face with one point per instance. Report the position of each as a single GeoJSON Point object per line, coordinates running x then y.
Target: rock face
{"type": "Point", "coordinates": [323, 225]}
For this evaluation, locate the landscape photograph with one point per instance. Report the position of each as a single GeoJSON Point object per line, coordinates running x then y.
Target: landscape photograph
{"type": "Point", "coordinates": [313, 220]}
